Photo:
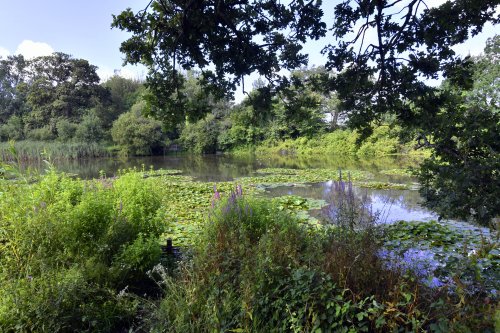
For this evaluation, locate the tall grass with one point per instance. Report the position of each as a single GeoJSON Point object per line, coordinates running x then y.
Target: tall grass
{"type": "Point", "coordinates": [68, 247]}
{"type": "Point", "coordinates": [39, 150]}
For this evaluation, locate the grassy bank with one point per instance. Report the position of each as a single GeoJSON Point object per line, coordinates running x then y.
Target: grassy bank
{"type": "Point", "coordinates": [38, 150]}
{"type": "Point", "coordinates": [383, 142]}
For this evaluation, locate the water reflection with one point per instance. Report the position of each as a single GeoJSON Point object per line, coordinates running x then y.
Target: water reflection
{"type": "Point", "coordinates": [390, 205]}
{"type": "Point", "coordinates": [225, 167]}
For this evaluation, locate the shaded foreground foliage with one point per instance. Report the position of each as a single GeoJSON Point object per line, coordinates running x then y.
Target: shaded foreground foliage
{"type": "Point", "coordinates": [257, 269]}
{"type": "Point", "coordinates": [84, 256]}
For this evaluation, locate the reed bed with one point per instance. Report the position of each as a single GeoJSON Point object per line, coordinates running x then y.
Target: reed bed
{"type": "Point", "coordinates": [40, 150]}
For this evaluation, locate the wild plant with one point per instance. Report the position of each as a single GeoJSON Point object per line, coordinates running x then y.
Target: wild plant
{"type": "Point", "coordinates": [345, 209]}
{"type": "Point", "coordinates": [67, 247]}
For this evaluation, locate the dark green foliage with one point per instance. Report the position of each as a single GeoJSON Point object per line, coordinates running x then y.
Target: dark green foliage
{"type": "Point", "coordinates": [461, 179]}
{"type": "Point", "coordinates": [378, 78]}
{"type": "Point", "coordinates": [201, 137]}
{"type": "Point", "coordinates": [13, 129]}
{"type": "Point", "coordinates": [190, 103]}
{"type": "Point", "coordinates": [12, 77]}
{"type": "Point", "coordinates": [90, 128]}
{"type": "Point", "coordinates": [198, 34]}
{"type": "Point", "coordinates": [65, 130]}
{"type": "Point", "coordinates": [42, 99]}
{"type": "Point", "coordinates": [60, 87]}
{"type": "Point", "coordinates": [257, 269]}
{"type": "Point", "coordinates": [44, 133]}
{"type": "Point", "coordinates": [123, 94]}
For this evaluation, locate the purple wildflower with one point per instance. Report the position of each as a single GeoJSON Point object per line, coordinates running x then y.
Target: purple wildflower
{"type": "Point", "coordinates": [239, 190]}
{"type": "Point", "coordinates": [216, 193]}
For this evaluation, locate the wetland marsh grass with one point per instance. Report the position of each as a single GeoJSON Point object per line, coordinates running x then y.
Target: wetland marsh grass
{"type": "Point", "coordinates": [40, 150]}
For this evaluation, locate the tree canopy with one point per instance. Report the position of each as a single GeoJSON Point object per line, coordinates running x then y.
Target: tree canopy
{"type": "Point", "coordinates": [45, 89]}
{"type": "Point", "coordinates": [227, 40]}
{"type": "Point", "coordinates": [383, 53]}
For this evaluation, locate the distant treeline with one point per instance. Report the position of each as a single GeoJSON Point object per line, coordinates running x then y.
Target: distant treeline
{"type": "Point", "coordinates": [56, 104]}
{"type": "Point", "coordinates": [59, 99]}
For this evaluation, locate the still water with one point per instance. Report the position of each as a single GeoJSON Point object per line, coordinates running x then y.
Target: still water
{"type": "Point", "coordinates": [391, 205]}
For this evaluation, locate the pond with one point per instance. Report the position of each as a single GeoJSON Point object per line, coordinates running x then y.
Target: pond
{"type": "Point", "coordinates": [437, 251]}
{"type": "Point", "coordinates": [392, 204]}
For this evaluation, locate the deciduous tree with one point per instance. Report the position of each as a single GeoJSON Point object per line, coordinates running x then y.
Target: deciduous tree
{"type": "Point", "coordinates": [384, 51]}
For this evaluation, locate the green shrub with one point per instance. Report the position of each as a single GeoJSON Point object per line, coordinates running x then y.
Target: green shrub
{"type": "Point", "coordinates": [68, 247]}
{"type": "Point", "coordinates": [41, 134]}
{"type": "Point", "coordinates": [238, 136]}
{"type": "Point", "coordinates": [382, 142]}
{"type": "Point", "coordinates": [136, 134]}
{"type": "Point", "coordinates": [62, 301]}
{"type": "Point", "coordinates": [65, 130]}
{"type": "Point", "coordinates": [12, 130]}
{"type": "Point", "coordinates": [201, 137]}
{"type": "Point", "coordinates": [90, 128]}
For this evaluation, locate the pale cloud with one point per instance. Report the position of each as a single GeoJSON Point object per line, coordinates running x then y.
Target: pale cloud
{"type": "Point", "coordinates": [435, 3]}
{"type": "Point", "coordinates": [30, 49]}
{"type": "Point", "coordinates": [128, 72]}
{"type": "Point", "coordinates": [4, 53]}
{"type": "Point", "coordinates": [104, 73]}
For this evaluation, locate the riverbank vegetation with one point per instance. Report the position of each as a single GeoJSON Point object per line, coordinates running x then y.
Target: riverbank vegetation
{"type": "Point", "coordinates": [85, 256]}
{"type": "Point", "coordinates": [159, 251]}
{"type": "Point", "coordinates": [56, 104]}
{"type": "Point", "coordinates": [112, 117]}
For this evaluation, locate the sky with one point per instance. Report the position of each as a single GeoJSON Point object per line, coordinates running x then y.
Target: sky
{"type": "Point", "coordinates": [82, 29]}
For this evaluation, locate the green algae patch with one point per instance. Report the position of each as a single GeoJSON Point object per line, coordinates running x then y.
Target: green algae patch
{"type": "Point", "coordinates": [284, 177]}
{"type": "Point", "coordinates": [397, 172]}
{"type": "Point", "coordinates": [384, 185]}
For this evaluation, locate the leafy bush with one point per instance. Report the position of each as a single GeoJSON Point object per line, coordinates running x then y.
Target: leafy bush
{"type": "Point", "coordinates": [65, 130]}
{"type": "Point", "coordinates": [237, 136]}
{"type": "Point", "coordinates": [12, 130]}
{"type": "Point", "coordinates": [136, 134]}
{"type": "Point", "coordinates": [200, 137]}
{"type": "Point", "coordinates": [41, 134]}
{"type": "Point", "coordinates": [68, 247]}
{"type": "Point", "coordinates": [90, 128]}
{"type": "Point", "coordinates": [383, 141]}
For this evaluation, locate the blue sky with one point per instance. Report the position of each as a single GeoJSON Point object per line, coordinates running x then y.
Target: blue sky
{"type": "Point", "coordinates": [82, 28]}
{"type": "Point", "coordinates": [77, 27]}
